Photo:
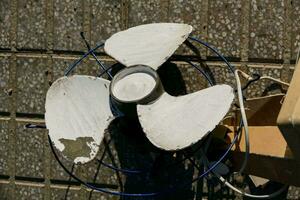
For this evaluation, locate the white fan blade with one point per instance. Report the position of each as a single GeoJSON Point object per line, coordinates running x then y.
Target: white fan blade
{"type": "Point", "coordinates": [173, 123]}
{"type": "Point", "coordinates": [150, 44]}
{"type": "Point", "coordinates": [77, 114]}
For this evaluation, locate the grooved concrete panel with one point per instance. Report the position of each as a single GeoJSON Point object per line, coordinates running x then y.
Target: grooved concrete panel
{"type": "Point", "coordinates": [86, 67]}
{"type": "Point", "coordinates": [295, 28]}
{"type": "Point", "coordinates": [187, 12]}
{"type": "Point", "coordinates": [222, 75]}
{"type": "Point", "coordinates": [4, 84]}
{"type": "Point", "coordinates": [31, 32]}
{"type": "Point", "coordinates": [266, 29]}
{"type": "Point", "coordinates": [98, 195]}
{"type": "Point", "coordinates": [4, 191]}
{"type": "Point", "coordinates": [31, 82]}
{"type": "Point", "coordinates": [64, 194]}
{"type": "Point", "coordinates": [4, 147]}
{"type": "Point", "coordinates": [105, 19]}
{"type": "Point", "coordinates": [57, 172]}
{"type": "Point", "coordinates": [5, 23]}
{"type": "Point", "coordinates": [29, 152]}
{"type": "Point", "coordinates": [60, 65]}
{"type": "Point", "coordinates": [28, 192]}
{"type": "Point", "coordinates": [141, 12]}
{"type": "Point", "coordinates": [224, 26]}
{"type": "Point", "coordinates": [68, 23]}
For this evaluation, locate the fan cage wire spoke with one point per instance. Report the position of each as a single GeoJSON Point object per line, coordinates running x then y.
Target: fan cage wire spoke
{"type": "Point", "coordinates": [102, 66]}
{"type": "Point", "coordinates": [169, 189]}
{"type": "Point", "coordinates": [75, 64]}
{"type": "Point", "coordinates": [230, 67]}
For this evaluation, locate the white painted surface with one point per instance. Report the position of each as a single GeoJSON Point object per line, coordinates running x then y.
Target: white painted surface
{"type": "Point", "coordinates": [134, 86]}
{"type": "Point", "coordinates": [173, 123]}
{"type": "Point", "coordinates": [149, 44]}
{"type": "Point", "coordinates": [78, 106]}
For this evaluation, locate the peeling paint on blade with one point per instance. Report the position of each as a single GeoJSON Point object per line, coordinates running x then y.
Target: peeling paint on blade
{"type": "Point", "coordinates": [77, 115]}
{"type": "Point", "coordinates": [80, 150]}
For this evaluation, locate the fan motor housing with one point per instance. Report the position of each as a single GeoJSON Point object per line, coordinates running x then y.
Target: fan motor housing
{"type": "Point", "coordinates": [134, 85]}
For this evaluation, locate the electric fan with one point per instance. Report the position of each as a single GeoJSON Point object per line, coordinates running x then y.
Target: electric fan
{"type": "Point", "coordinates": [79, 108]}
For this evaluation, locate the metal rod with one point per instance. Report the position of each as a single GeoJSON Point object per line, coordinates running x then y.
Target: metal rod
{"type": "Point", "coordinates": [93, 54]}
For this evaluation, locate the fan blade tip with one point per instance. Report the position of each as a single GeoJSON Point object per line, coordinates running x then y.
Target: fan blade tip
{"type": "Point", "coordinates": [222, 89]}
{"type": "Point", "coordinates": [226, 86]}
{"type": "Point", "coordinates": [227, 89]}
{"type": "Point", "coordinates": [189, 28]}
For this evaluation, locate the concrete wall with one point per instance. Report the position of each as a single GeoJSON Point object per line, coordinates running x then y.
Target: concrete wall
{"type": "Point", "coordinates": [40, 38]}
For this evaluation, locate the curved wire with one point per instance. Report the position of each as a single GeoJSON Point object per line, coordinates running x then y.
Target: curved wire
{"type": "Point", "coordinates": [93, 54]}
{"type": "Point", "coordinates": [124, 171]}
{"type": "Point", "coordinates": [255, 78]}
{"type": "Point", "coordinates": [201, 71]}
{"type": "Point", "coordinates": [74, 65]}
{"type": "Point", "coordinates": [231, 68]}
{"type": "Point", "coordinates": [106, 70]}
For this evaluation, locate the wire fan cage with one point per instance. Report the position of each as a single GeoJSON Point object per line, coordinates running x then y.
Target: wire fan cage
{"type": "Point", "coordinates": [141, 169]}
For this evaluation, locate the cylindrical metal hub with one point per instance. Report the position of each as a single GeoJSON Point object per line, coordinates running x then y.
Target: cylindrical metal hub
{"type": "Point", "coordinates": [135, 85]}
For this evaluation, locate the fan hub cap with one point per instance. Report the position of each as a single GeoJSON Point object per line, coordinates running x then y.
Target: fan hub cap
{"type": "Point", "coordinates": [138, 84]}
